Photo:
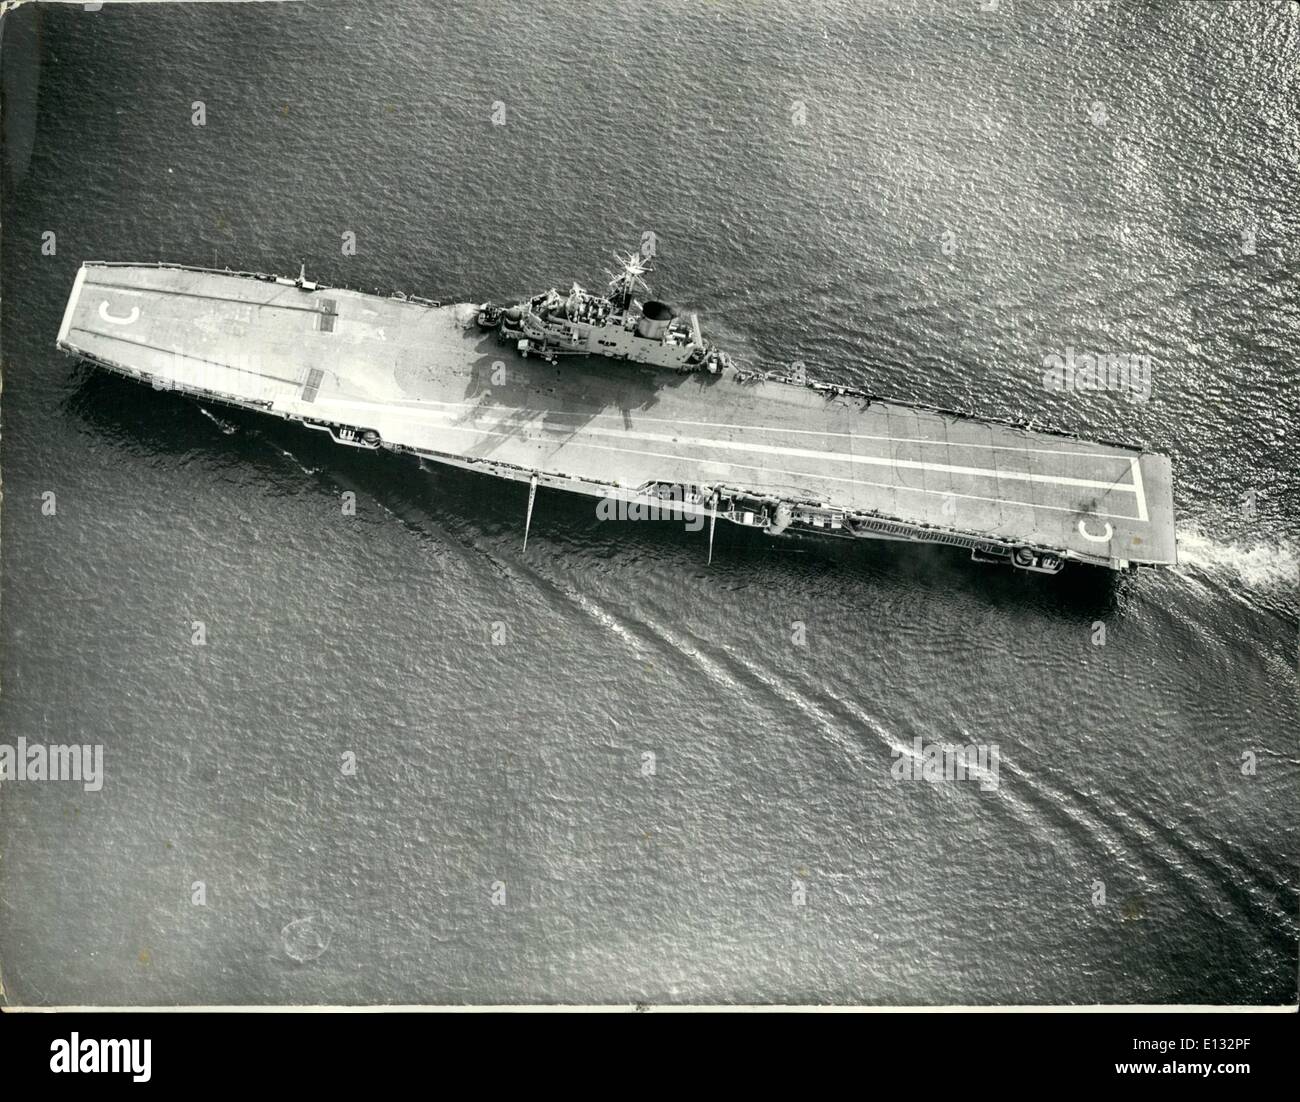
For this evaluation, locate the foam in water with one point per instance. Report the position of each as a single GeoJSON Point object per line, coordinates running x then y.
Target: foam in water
{"type": "Point", "coordinates": [225, 426]}
{"type": "Point", "coordinates": [1259, 564]}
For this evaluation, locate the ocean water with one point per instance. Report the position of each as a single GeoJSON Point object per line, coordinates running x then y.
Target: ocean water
{"type": "Point", "coordinates": [922, 199]}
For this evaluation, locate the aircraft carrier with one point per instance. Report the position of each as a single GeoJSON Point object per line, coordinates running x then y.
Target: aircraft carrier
{"type": "Point", "coordinates": [623, 400]}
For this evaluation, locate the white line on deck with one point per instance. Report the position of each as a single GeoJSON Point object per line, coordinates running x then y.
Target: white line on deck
{"type": "Point", "coordinates": [807, 478]}
{"type": "Point", "coordinates": [418, 403]}
{"type": "Point", "coordinates": [821, 456]}
{"type": "Point", "coordinates": [73, 300]}
{"type": "Point", "coordinates": [1139, 490]}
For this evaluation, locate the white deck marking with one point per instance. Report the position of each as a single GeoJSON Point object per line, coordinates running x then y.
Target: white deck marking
{"type": "Point", "coordinates": [802, 453]}
{"type": "Point", "coordinates": [129, 319]}
{"type": "Point", "coordinates": [1083, 530]}
{"type": "Point", "coordinates": [805, 476]}
{"type": "Point", "coordinates": [420, 403]}
{"type": "Point", "coordinates": [73, 300]}
{"type": "Point", "coordinates": [1139, 490]}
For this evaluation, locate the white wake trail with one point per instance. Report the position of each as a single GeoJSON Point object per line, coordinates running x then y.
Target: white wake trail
{"type": "Point", "coordinates": [1258, 564]}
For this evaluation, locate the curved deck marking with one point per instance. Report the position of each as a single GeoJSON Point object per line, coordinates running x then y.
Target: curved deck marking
{"type": "Point", "coordinates": [1083, 531]}
{"type": "Point", "coordinates": [130, 318]}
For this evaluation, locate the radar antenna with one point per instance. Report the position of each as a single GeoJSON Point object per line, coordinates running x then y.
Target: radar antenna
{"type": "Point", "coordinates": [626, 281]}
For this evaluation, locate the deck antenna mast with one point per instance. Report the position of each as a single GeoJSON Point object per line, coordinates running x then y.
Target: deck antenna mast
{"type": "Point", "coordinates": [528, 517]}
{"type": "Point", "coordinates": [713, 522]}
{"type": "Point", "coordinates": [626, 281]}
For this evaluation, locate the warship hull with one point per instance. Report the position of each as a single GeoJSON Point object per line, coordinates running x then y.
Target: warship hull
{"type": "Point", "coordinates": [419, 377]}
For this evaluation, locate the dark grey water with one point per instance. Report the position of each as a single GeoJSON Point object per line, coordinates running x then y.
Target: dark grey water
{"type": "Point", "coordinates": [1098, 168]}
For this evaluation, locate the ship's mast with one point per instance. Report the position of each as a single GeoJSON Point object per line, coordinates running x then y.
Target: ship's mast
{"type": "Point", "coordinates": [625, 282]}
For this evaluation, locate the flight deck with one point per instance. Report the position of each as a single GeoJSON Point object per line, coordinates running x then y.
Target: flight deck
{"type": "Point", "coordinates": [414, 376]}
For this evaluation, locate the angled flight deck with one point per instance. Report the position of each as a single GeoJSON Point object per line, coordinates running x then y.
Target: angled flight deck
{"type": "Point", "coordinates": [418, 377]}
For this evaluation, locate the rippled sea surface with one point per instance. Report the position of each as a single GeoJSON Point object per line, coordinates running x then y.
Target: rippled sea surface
{"type": "Point", "coordinates": [968, 191]}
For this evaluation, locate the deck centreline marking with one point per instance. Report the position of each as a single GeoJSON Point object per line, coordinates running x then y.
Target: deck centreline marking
{"type": "Point", "coordinates": [822, 456]}
{"type": "Point", "coordinates": [807, 478]}
{"type": "Point", "coordinates": [1115, 453]}
{"type": "Point", "coordinates": [211, 298]}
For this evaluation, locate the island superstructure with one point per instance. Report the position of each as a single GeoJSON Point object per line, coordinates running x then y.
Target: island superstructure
{"type": "Point", "coordinates": [615, 325]}
{"type": "Point", "coordinates": [605, 395]}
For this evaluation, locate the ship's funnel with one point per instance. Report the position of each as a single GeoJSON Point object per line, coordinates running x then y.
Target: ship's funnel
{"type": "Point", "coordinates": [654, 320]}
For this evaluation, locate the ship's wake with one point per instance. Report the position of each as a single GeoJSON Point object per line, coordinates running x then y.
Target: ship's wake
{"type": "Point", "coordinates": [1205, 872]}
{"type": "Point", "coordinates": [1129, 840]}
{"type": "Point", "coordinates": [1263, 565]}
